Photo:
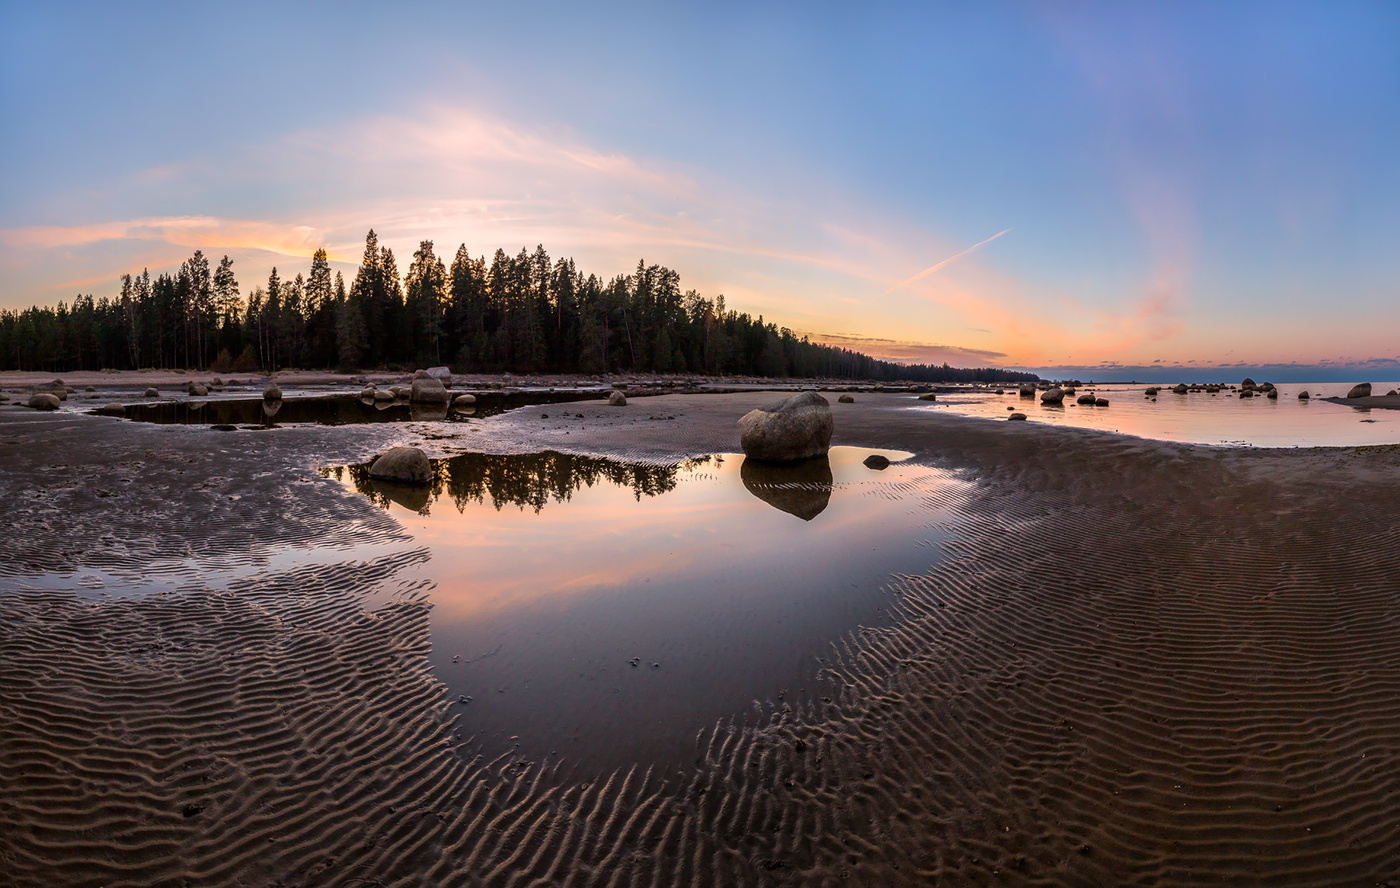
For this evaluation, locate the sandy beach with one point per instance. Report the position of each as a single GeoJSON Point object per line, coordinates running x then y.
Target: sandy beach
{"type": "Point", "coordinates": [1138, 663]}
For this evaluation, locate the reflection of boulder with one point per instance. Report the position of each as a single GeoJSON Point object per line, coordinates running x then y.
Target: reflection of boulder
{"type": "Point", "coordinates": [269, 410]}
{"type": "Point", "coordinates": [414, 497]}
{"type": "Point", "coordinates": [427, 412]}
{"type": "Point", "coordinates": [802, 489]}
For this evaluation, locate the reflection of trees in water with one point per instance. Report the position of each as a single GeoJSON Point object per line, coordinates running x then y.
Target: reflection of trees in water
{"type": "Point", "coordinates": [527, 480]}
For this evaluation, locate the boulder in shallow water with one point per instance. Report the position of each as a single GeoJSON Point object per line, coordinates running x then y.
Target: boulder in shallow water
{"type": "Point", "coordinates": [1272, 393]}
{"type": "Point", "coordinates": [383, 395]}
{"type": "Point", "coordinates": [1016, 416]}
{"type": "Point", "coordinates": [441, 374]}
{"type": "Point", "coordinates": [617, 399]}
{"type": "Point", "coordinates": [464, 402]}
{"type": "Point", "coordinates": [427, 390]}
{"type": "Point", "coordinates": [1028, 390]}
{"type": "Point", "coordinates": [113, 409]}
{"type": "Point", "coordinates": [928, 396]}
{"type": "Point", "coordinates": [152, 392]}
{"type": "Point", "coordinates": [1360, 390]}
{"type": "Point", "coordinates": [1303, 395]}
{"type": "Point", "coordinates": [1179, 389]}
{"type": "Point", "coordinates": [197, 390]}
{"type": "Point", "coordinates": [367, 393]}
{"type": "Point", "coordinates": [1053, 396]}
{"type": "Point", "coordinates": [1100, 402]}
{"type": "Point", "coordinates": [43, 401]}
{"type": "Point", "coordinates": [1085, 399]}
{"type": "Point", "coordinates": [799, 488]}
{"type": "Point", "coordinates": [1247, 384]}
{"type": "Point", "coordinates": [877, 462]}
{"type": "Point", "coordinates": [406, 465]}
{"type": "Point", "coordinates": [794, 428]}
{"type": "Point", "coordinates": [846, 399]}
{"type": "Point", "coordinates": [272, 392]}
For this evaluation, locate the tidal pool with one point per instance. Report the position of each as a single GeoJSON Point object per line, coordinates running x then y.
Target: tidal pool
{"type": "Point", "coordinates": [604, 613]}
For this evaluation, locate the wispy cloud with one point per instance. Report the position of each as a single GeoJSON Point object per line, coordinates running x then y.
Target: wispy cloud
{"type": "Point", "coordinates": [195, 232]}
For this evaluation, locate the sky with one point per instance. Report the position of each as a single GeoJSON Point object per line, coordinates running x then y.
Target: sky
{"type": "Point", "coordinates": [1075, 188]}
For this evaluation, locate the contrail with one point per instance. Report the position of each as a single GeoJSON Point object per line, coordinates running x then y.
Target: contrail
{"type": "Point", "coordinates": [932, 268]}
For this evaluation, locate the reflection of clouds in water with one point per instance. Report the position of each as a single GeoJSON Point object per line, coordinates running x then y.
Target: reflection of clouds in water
{"type": "Point", "coordinates": [802, 489]}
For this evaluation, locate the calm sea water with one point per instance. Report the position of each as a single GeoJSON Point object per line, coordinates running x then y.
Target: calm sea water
{"type": "Point", "coordinates": [1202, 418]}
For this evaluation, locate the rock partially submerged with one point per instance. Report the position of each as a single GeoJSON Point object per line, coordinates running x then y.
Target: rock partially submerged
{"type": "Point", "coordinates": [794, 428]}
{"type": "Point", "coordinates": [1085, 399]}
{"type": "Point", "coordinates": [43, 401]}
{"type": "Point", "coordinates": [1016, 416]}
{"type": "Point", "coordinates": [1304, 396]}
{"type": "Point", "coordinates": [877, 462]}
{"type": "Point", "coordinates": [1053, 396]}
{"type": "Point", "coordinates": [1179, 388]}
{"type": "Point", "coordinates": [406, 465]}
{"type": "Point", "coordinates": [197, 390]}
{"type": "Point", "coordinates": [464, 402]}
{"type": "Point", "coordinates": [112, 409]}
{"type": "Point", "coordinates": [152, 392]}
{"type": "Point", "coordinates": [927, 396]}
{"type": "Point", "coordinates": [272, 392]}
{"type": "Point", "coordinates": [1360, 390]}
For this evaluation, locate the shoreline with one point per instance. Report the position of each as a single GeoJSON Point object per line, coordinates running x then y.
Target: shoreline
{"type": "Point", "coordinates": [1139, 660]}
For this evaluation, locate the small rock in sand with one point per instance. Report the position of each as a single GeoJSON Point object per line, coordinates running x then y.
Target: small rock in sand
{"type": "Point", "coordinates": [846, 399]}
{"type": "Point", "coordinates": [1100, 402]}
{"type": "Point", "coordinates": [928, 396]}
{"type": "Point", "coordinates": [91, 388]}
{"type": "Point", "coordinates": [1360, 390]}
{"type": "Point", "coordinates": [877, 462]}
{"type": "Point", "coordinates": [1016, 416]}
{"type": "Point", "coordinates": [617, 399]}
{"type": "Point", "coordinates": [407, 465]}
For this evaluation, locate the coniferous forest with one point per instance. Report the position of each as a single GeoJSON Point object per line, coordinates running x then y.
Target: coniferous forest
{"type": "Point", "coordinates": [523, 314]}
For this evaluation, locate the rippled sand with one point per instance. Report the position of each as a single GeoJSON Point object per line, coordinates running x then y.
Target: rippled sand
{"type": "Point", "coordinates": [1133, 663]}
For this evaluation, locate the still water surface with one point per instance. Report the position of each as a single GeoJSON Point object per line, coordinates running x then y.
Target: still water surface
{"type": "Point", "coordinates": [1202, 418]}
{"type": "Point", "coordinates": [604, 613]}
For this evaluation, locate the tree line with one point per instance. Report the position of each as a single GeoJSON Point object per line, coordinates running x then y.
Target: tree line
{"type": "Point", "coordinates": [524, 313]}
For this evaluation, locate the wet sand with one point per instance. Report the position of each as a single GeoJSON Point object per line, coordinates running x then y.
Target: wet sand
{"type": "Point", "coordinates": [1135, 663]}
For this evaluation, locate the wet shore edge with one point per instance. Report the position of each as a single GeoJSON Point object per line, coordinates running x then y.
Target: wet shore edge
{"type": "Point", "coordinates": [1140, 662]}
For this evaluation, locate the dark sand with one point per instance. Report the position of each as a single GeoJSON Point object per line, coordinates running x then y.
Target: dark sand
{"type": "Point", "coordinates": [1138, 664]}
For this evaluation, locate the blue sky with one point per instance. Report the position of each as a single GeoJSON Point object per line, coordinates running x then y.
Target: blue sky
{"type": "Point", "coordinates": [1199, 184]}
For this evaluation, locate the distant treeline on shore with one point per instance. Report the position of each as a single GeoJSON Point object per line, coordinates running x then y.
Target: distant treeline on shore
{"type": "Point", "coordinates": [525, 313]}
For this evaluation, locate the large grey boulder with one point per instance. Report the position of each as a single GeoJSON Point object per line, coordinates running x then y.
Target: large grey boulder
{"type": "Point", "coordinates": [43, 401]}
{"type": "Point", "coordinates": [441, 374]}
{"type": "Point", "coordinates": [1304, 396]}
{"type": "Point", "coordinates": [794, 428]}
{"type": "Point", "coordinates": [617, 399]}
{"type": "Point", "coordinates": [1086, 398]}
{"type": "Point", "coordinates": [197, 390]}
{"type": "Point", "coordinates": [406, 465]}
{"type": "Point", "coordinates": [272, 392]}
{"type": "Point", "coordinates": [464, 402]}
{"type": "Point", "coordinates": [383, 395]}
{"type": "Point", "coordinates": [152, 392]}
{"type": "Point", "coordinates": [1179, 388]}
{"type": "Point", "coordinates": [1028, 390]}
{"type": "Point", "coordinates": [1360, 390]}
{"type": "Point", "coordinates": [111, 410]}
{"type": "Point", "coordinates": [427, 390]}
{"type": "Point", "coordinates": [1053, 396]}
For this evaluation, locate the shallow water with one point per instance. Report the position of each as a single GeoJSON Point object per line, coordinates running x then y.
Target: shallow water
{"type": "Point", "coordinates": [1202, 418]}
{"type": "Point", "coordinates": [606, 613]}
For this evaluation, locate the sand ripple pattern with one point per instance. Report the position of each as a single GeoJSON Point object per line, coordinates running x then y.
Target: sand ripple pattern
{"type": "Point", "coordinates": [1135, 665]}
